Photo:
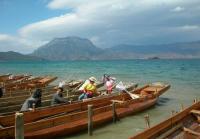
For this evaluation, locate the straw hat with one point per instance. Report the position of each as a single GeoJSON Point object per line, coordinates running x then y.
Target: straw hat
{"type": "Point", "coordinates": [93, 79]}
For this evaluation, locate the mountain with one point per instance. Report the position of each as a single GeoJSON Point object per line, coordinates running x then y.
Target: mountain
{"type": "Point", "coordinates": [174, 50]}
{"type": "Point", "coordinates": [69, 48]}
{"type": "Point", "coordinates": [75, 48]}
{"type": "Point", "coordinates": [14, 56]}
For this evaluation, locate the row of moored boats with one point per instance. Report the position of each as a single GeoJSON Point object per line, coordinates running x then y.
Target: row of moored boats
{"type": "Point", "coordinates": [60, 120]}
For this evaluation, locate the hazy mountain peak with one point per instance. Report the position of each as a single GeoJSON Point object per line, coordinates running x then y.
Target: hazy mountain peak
{"type": "Point", "coordinates": [68, 48]}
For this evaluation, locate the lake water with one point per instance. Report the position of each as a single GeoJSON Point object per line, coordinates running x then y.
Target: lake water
{"type": "Point", "coordinates": [183, 75]}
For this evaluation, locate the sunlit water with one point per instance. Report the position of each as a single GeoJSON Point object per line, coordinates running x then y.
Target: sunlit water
{"type": "Point", "coordinates": [183, 75]}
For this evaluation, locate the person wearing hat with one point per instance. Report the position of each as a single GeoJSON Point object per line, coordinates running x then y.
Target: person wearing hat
{"type": "Point", "coordinates": [89, 89]}
{"type": "Point", "coordinates": [58, 97]}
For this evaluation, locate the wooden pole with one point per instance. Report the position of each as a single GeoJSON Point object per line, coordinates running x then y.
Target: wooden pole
{"type": "Point", "coordinates": [33, 106]}
{"type": "Point", "coordinates": [182, 107]}
{"type": "Point", "coordinates": [114, 112]}
{"type": "Point", "coordinates": [67, 93]}
{"type": "Point", "coordinates": [90, 124]}
{"type": "Point", "coordinates": [172, 113]}
{"type": "Point", "coordinates": [147, 121]}
{"type": "Point", "coordinates": [195, 100]}
{"type": "Point", "coordinates": [19, 126]}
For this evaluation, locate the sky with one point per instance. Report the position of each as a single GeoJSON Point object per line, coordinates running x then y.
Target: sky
{"type": "Point", "coordinates": [26, 25]}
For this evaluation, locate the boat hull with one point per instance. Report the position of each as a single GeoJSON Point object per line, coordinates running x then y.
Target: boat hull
{"type": "Point", "coordinates": [99, 119]}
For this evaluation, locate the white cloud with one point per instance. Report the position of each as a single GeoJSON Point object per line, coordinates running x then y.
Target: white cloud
{"type": "Point", "coordinates": [178, 9]}
{"type": "Point", "coordinates": [11, 43]}
{"type": "Point", "coordinates": [188, 28]}
{"type": "Point", "coordinates": [63, 4]}
{"type": "Point", "coordinates": [112, 22]}
{"type": "Point", "coordinates": [91, 18]}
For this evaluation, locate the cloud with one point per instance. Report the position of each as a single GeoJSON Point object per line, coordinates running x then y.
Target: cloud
{"type": "Point", "coordinates": [185, 29]}
{"type": "Point", "coordinates": [11, 43]}
{"type": "Point", "coordinates": [63, 4]}
{"type": "Point", "coordinates": [178, 9]}
{"type": "Point", "coordinates": [189, 28]}
{"type": "Point", "coordinates": [112, 22]}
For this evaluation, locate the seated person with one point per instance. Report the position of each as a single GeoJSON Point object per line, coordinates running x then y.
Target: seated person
{"type": "Point", "coordinates": [89, 89]}
{"type": "Point", "coordinates": [1, 92]}
{"type": "Point", "coordinates": [34, 99]}
{"type": "Point", "coordinates": [58, 97]}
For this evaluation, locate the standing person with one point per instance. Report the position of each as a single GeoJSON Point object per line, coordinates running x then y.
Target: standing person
{"type": "Point", "coordinates": [34, 99]}
{"type": "Point", "coordinates": [105, 78]}
{"type": "Point", "coordinates": [109, 85]}
{"type": "Point", "coordinates": [58, 97]}
{"type": "Point", "coordinates": [89, 89]}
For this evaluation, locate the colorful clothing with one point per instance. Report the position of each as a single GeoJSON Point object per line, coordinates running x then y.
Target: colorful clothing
{"type": "Point", "coordinates": [109, 85]}
{"type": "Point", "coordinates": [89, 89]}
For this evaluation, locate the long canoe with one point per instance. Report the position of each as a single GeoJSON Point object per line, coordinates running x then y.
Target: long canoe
{"type": "Point", "coordinates": [73, 121]}
{"type": "Point", "coordinates": [46, 100]}
{"type": "Point", "coordinates": [31, 85]}
{"type": "Point", "coordinates": [4, 77]}
{"type": "Point", "coordinates": [20, 85]}
{"type": "Point", "coordinates": [22, 91]}
{"type": "Point", "coordinates": [183, 125]}
{"type": "Point", "coordinates": [45, 91]}
{"type": "Point", "coordinates": [42, 112]}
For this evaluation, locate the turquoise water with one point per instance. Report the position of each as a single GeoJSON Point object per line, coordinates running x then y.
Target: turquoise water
{"type": "Point", "coordinates": [183, 75]}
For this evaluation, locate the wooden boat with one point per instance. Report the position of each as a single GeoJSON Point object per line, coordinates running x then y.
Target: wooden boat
{"type": "Point", "coordinates": [4, 77]}
{"type": "Point", "coordinates": [42, 83]}
{"type": "Point", "coordinates": [14, 78]}
{"type": "Point", "coordinates": [20, 94]}
{"type": "Point", "coordinates": [76, 117]}
{"type": "Point", "coordinates": [52, 110]}
{"type": "Point", "coordinates": [183, 125]}
{"type": "Point", "coordinates": [31, 84]}
{"type": "Point", "coordinates": [46, 100]}
{"type": "Point", "coordinates": [19, 85]}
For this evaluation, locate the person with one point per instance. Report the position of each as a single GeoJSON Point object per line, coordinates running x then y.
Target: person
{"type": "Point", "coordinates": [89, 89]}
{"type": "Point", "coordinates": [34, 99]}
{"type": "Point", "coordinates": [1, 91]}
{"type": "Point", "coordinates": [104, 78]}
{"type": "Point", "coordinates": [58, 97]}
{"type": "Point", "coordinates": [109, 85]}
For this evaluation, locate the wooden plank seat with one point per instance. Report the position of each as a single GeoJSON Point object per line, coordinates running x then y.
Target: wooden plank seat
{"type": "Point", "coordinates": [190, 131]}
{"type": "Point", "coordinates": [197, 112]}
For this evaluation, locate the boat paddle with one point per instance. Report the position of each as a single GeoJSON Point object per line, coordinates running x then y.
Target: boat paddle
{"type": "Point", "coordinates": [120, 86]}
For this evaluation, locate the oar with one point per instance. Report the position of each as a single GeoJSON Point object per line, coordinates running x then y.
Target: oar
{"type": "Point", "coordinates": [120, 86]}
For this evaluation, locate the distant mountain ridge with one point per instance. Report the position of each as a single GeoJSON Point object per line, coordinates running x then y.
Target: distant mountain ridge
{"type": "Point", "coordinates": [76, 48]}
{"type": "Point", "coordinates": [174, 50]}
{"type": "Point", "coordinates": [14, 56]}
